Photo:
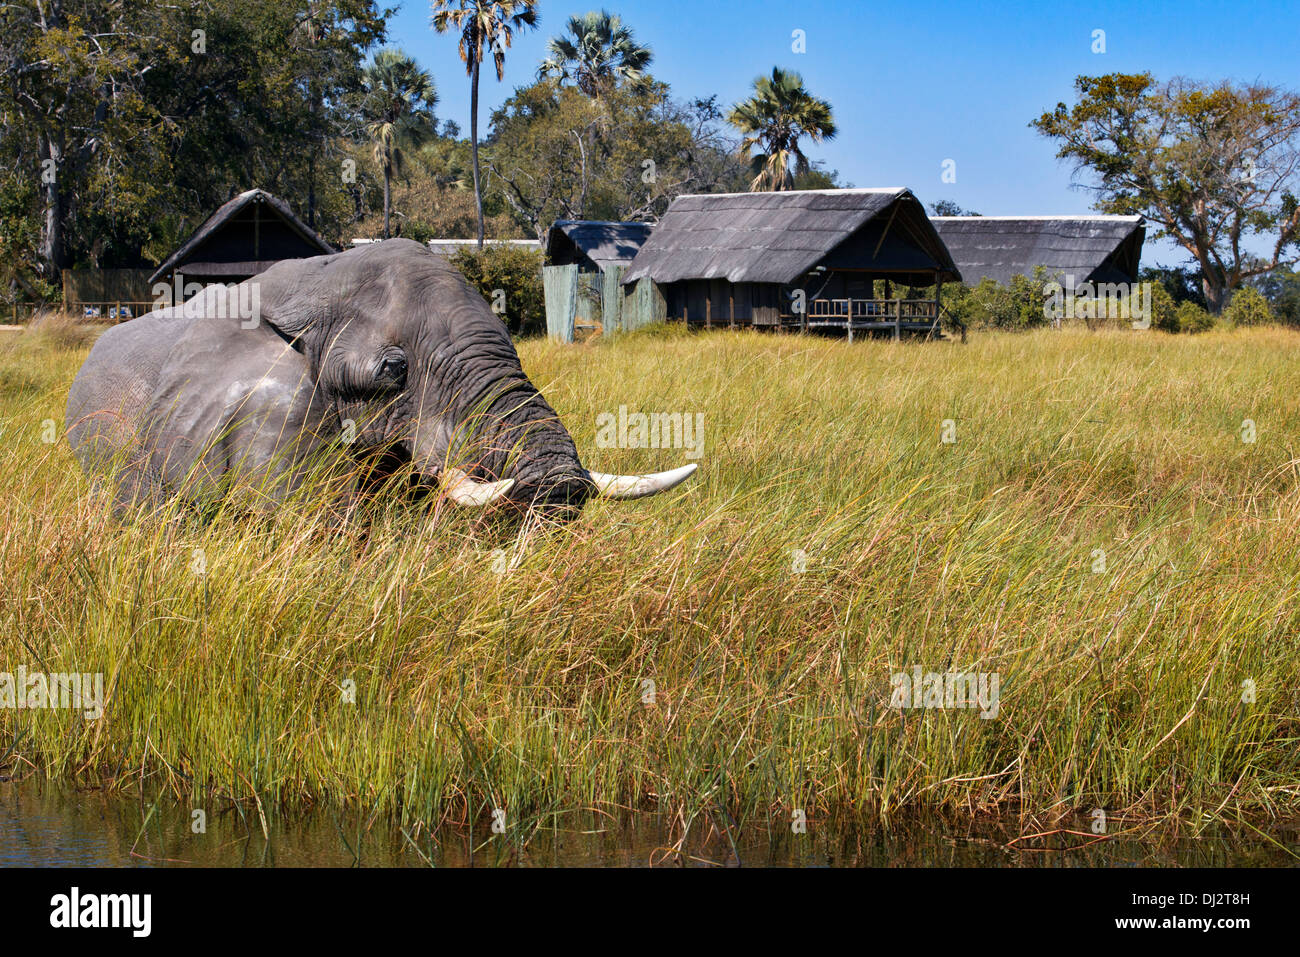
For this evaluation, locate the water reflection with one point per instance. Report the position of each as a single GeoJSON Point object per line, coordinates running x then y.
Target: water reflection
{"type": "Point", "coordinates": [41, 825]}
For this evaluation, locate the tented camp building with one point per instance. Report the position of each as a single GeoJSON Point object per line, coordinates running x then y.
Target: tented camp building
{"type": "Point", "coordinates": [593, 245]}
{"type": "Point", "coordinates": [805, 259]}
{"type": "Point", "coordinates": [1096, 249]}
{"type": "Point", "coordinates": [242, 238]}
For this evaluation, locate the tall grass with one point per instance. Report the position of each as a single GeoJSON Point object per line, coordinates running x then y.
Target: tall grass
{"type": "Point", "coordinates": [394, 667]}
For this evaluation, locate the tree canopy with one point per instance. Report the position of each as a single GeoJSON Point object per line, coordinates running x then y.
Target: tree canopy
{"type": "Point", "coordinates": [598, 52]}
{"type": "Point", "coordinates": [773, 121]}
{"type": "Point", "coordinates": [1214, 165]}
{"type": "Point", "coordinates": [124, 125]}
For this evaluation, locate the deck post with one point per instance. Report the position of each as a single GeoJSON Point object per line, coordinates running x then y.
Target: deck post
{"type": "Point", "coordinates": [708, 305]}
{"type": "Point", "coordinates": [898, 319]}
{"type": "Point", "coordinates": [731, 306]}
{"type": "Point", "coordinates": [938, 308]}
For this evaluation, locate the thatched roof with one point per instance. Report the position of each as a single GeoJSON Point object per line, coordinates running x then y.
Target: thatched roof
{"type": "Point", "coordinates": [223, 246]}
{"type": "Point", "coordinates": [594, 243]}
{"type": "Point", "coordinates": [1090, 248]}
{"type": "Point", "coordinates": [778, 237]}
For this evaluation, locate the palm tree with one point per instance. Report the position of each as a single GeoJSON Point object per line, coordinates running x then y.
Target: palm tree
{"type": "Point", "coordinates": [597, 52]}
{"type": "Point", "coordinates": [397, 107]}
{"type": "Point", "coordinates": [779, 114]}
{"type": "Point", "coordinates": [486, 27]}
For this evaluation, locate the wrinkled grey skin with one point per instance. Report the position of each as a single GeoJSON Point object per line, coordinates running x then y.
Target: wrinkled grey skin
{"type": "Point", "coordinates": [185, 400]}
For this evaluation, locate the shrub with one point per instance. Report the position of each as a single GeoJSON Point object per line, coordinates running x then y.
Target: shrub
{"type": "Point", "coordinates": [1281, 288]}
{"type": "Point", "coordinates": [1192, 318]}
{"type": "Point", "coordinates": [1247, 308]}
{"type": "Point", "coordinates": [991, 305]}
{"type": "Point", "coordinates": [1164, 314]}
{"type": "Point", "coordinates": [509, 277]}
{"type": "Point", "coordinates": [63, 330]}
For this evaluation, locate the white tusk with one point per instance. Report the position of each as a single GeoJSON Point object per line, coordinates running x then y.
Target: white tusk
{"type": "Point", "coordinates": [639, 486]}
{"type": "Point", "coordinates": [463, 490]}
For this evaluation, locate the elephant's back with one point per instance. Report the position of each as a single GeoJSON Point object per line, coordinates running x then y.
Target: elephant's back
{"type": "Point", "coordinates": [115, 384]}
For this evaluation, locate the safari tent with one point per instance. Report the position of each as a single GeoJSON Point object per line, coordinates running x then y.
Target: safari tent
{"type": "Point", "coordinates": [805, 259]}
{"type": "Point", "coordinates": [244, 237]}
{"type": "Point", "coordinates": [1090, 248]}
{"type": "Point", "coordinates": [594, 246]}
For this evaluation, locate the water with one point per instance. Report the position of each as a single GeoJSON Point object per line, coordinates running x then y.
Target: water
{"type": "Point", "coordinates": [42, 825]}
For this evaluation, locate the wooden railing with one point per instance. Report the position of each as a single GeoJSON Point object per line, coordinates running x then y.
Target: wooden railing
{"type": "Point", "coordinates": [885, 310]}
{"type": "Point", "coordinates": [891, 315]}
{"type": "Point", "coordinates": [19, 313]}
{"type": "Point", "coordinates": [111, 311]}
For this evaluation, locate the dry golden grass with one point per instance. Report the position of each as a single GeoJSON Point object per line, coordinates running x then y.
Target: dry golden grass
{"type": "Point", "coordinates": [1120, 689]}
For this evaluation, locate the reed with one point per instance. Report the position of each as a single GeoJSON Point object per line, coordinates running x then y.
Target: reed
{"type": "Point", "coordinates": [830, 541]}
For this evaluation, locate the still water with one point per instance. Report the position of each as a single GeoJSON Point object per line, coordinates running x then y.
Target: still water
{"type": "Point", "coordinates": [42, 825]}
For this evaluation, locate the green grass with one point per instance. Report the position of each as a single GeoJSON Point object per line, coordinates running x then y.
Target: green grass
{"type": "Point", "coordinates": [476, 690]}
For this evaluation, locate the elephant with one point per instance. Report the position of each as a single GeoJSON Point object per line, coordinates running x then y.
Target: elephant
{"type": "Point", "coordinates": [382, 353]}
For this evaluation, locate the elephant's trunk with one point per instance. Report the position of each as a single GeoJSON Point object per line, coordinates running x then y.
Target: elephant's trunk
{"type": "Point", "coordinates": [526, 441]}
{"type": "Point", "coordinates": [508, 448]}
{"type": "Point", "coordinates": [514, 450]}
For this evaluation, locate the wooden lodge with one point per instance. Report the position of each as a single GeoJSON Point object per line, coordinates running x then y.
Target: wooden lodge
{"type": "Point", "coordinates": [807, 260]}
{"type": "Point", "coordinates": [244, 237]}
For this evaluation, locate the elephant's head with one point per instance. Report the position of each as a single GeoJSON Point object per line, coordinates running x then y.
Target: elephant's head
{"type": "Point", "coordinates": [402, 346]}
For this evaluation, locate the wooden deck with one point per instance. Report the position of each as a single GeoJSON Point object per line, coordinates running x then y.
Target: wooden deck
{"type": "Point", "coordinates": [867, 315]}
{"type": "Point", "coordinates": [848, 316]}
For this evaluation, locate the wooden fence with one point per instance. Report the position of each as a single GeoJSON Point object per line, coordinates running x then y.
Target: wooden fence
{"type": "Point", "coordinates": [579, 304]}
{"type": "Point", "coordinates": [99, 286]}
{"type": "Point", "coordinates": [107, 295]}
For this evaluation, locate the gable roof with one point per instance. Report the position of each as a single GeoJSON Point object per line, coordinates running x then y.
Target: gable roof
{"type": "Point", "coordinates": [225, 214]}
{"type": "Point", "coordinates": [604, 244]}
{"type": "Point", "coordinates": [777, 237]}
{"type": "Point", "coordinates": [1090, 248]}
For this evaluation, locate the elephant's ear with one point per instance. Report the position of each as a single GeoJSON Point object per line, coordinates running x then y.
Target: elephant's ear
{"type": "Point", "coordinates": [294, 300]}
{"type": "Point", "coordinates": [277, 302]}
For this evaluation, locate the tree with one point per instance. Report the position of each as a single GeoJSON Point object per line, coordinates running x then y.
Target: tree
{"type": "Point", "coordinates": [71, 102]}
{"type": "Point", "coordinates": [486, 27]}
{"type": "Point", "coordinates": [1247, 307]}
{"type": "Point", "coordinates": [598, 53]}
{"type": "Point", "coordinates": [325, 43]}
{"type": "Point", "coordinates": [553, 154]}
{"type": "Point", "coordinates": [398, 111]}
{"type": "Point", "coordinates": [268, 98]}
{"type": "Point", "coordinates": [948, 207]}
{"type": "Point", "coordinates": [124, 124]}
{"type": "Point", "coordinates": [1282, 290]}
{"type": "Point", "coordinates": [1213, 165]}
{"type": "Point", "coordinates": [779, 114]}
{"type": "Point", "coordinates": [1180, 282]}
{"type": "Point", "coordinates": [432, 197]}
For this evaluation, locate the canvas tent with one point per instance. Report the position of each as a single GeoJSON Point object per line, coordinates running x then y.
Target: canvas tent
{"type": "Point", "coordinates": [806, 258]}
{"type": "Point", "coordinates": [1089, 248]}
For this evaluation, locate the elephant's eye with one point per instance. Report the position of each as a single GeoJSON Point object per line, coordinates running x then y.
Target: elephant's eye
{"type": "Point", "coordinates": [392, 371]}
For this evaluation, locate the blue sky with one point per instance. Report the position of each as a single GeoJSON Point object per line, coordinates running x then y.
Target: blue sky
{"type": "Point", "coordinates": [914, 84]}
